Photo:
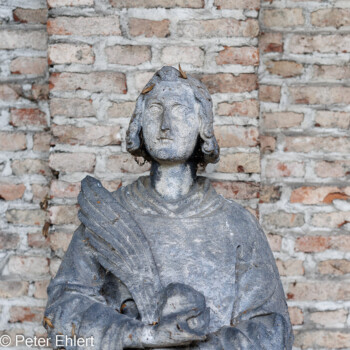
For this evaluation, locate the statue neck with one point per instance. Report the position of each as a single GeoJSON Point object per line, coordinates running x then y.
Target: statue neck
{"type": "Point", "coordinates": [173, 181]}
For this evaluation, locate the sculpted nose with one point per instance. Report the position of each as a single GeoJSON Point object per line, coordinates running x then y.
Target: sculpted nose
{"type": "Point", "coordinates": [165, 121]}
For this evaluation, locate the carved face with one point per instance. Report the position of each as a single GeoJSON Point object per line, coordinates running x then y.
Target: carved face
{"type": "Point", "coordinates": [170, 122]}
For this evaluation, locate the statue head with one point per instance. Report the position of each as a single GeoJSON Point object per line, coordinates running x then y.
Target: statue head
{"type": "Point", "coordinates": [173, 120]}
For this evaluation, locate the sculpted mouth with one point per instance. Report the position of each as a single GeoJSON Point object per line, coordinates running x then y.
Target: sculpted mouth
{"type": "Point", "coordinates": [164, 138]}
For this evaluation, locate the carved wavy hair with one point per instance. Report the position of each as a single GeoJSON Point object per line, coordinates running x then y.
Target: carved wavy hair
{"type": "Point", "coordinates": [207, 149]}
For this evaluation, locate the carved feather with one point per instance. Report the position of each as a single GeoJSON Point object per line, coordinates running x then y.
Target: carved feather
{"type": "Point", "coordinates": [120, 245]}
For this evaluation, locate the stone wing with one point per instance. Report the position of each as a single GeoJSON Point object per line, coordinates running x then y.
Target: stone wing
{"type": "Point", "coordinates": [120, 245]}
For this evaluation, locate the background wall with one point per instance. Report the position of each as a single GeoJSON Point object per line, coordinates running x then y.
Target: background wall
{"type": "Point", "coordinates": [287, 162]}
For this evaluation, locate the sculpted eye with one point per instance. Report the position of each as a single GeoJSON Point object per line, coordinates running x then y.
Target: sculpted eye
{"type": "Point", "coordinates": [179, 109]}
{"type": "Point", "coordinates": [156, 109]}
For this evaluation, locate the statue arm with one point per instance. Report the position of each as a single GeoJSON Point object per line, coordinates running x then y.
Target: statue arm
{"type": "Point", "coordinates": [260, 318]}
{"type": "Point", "coordinates": [76, 306]}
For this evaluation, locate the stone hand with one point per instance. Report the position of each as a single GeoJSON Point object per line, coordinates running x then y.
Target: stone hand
{"type": "Point", "coordinates": [183, 319]}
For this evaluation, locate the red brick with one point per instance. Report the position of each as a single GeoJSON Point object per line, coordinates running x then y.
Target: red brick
{"type": "Point", "coordinates": [319, 290]}
{"type": "Point", "coordinates": [334, 17]}
{"type": "Point", "coordinates": [270, 42]}
{"type": "Point", "coordinates": [237, 4]}
{"type": "Point", "coordinates": [8, 93]}
{"type": "Point", "coordinates": [236, 190]}
{"type": "Point", "coordinates": [157, 3]}
{"type": "Point", "coordinates": [148, 28]}
{"type": "Point", "coordinates": [329, 318]}
{"type": "Point", "coordinates": [28, 117]}
{"type": "Point", "coordinates": [267, 144]}
{"type": "Point", "coordinates": [283, 17]}
{"type": "Point", "coordinates": [174, 55]}
{"type": "Point", "coordinates": [246, 56]}
{"type": "Point", "coordinates": [20, 39]}
{"type": "Point", "coordinates": [226, 82]}
{"type": "Point", "coordinates": [40, 91]}
{"type": "Point", "coordinates": [283, 219]}
{"type": "Point", "coordinates": [26, 314]}
{"type": "Point", "coordinates": [319, 195]}
{"type": "Point", "coordinates": [282, 120]}
{"type": "Point", "coordinates": [112, 186]}
{"type": "Point", "coordinates": [269, 194]}
{"type": "Point", "coordinates": [337, 168]}
{"type": "Point", "coordinates": [30, 15]}
{"type": "Point", "coordinates": [31, 166]}
{"type": "Point", "coordinates": [26, 217]}
{"type": "Point", "coordinates": [275, 242]}
{"type": "Point", "coordinates": [72, 107]}
{"type": "Point", "coordinates": [125, 163]}
{"type": "Point", "coordinates": [13, 289]}
{"type": "Point", "coordinates": [29, 65]}
{"type": "Point", "coordinates": [331, 72]}
{"type": "Point", "coordinates": [236, 136]}
{"type": "Point", "coordinates": [93, 135]}
{"type": "Point", "coordinates": [317, 339]}
{"type": "Point", "coordinates": [41, 142]}
{"type": "Point", "coordinates": [70, 53]}
{"type": "Point", "coordinates": [331, 220]}
{"type": "Point", "coordinates": [306, 144]}
{"type": "Point", "coordinates": [221, 27]}
{"type": "Point", "coordinates": [40, 192]}
{"type": "Point", "coordinates": [8, 241]}
{"type": "Point", "coordinates": [40, 291]}
{"type": "Point", "coordinates": [286, 69]}
{"type": "Point", "coordinates": [247, 108]}
{"type": "Point", "coordinates": [28, 265]}
{"type": "Point", "coordinates": [61, 189]}
{"type": "Point", "coordinates": [10, 192]}
{"type": "Point", "coordinates": [334, 267]}
{"type": "Point", "coordinates": [270, 93]}
{"type": "Point", "coordinates": [276, 168]}
{"type": "Point", "coordinates": [141, 79]}
{"type": "Point", "coordinates": [336, 43]}
{"type": "Point", "coordinates": [290, 267]}
{"type": "Point", "coordinates": [312, 244]}
{"type": "Point", "coordinates": [296, 315]}
{"type": "Point", "coordinates": [325, 95]}
{"type": "Point", "coordinates": [72, 162]}
{"type": "Point", "coordinates": [60, 240]}
{"type": "Point", "coordinates": [131, 55]}
{"type": "Point", "coordinates": [328, 119]}
{"type": "Point", "coordinates": [239, 163]}
{"type": "Point", "coordinates": [121, 110]}
{"type": "Point", "coordinates": [84, 26]}
{"type": "Point", "coordinates": [94, 82]}
{"type": "Point", "coordinates": [37, 240]}
{"type": "Point", "coordinates": [64, 214]}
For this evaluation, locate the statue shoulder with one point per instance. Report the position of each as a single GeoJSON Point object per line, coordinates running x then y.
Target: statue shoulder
{"type": "Point", "coordinates": [244, 222]}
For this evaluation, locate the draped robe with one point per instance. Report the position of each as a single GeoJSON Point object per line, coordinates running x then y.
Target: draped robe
{"type": "Point", "coordinates": [202, 240]}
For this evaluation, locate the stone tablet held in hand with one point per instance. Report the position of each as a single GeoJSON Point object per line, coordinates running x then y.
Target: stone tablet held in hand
{"type": "Point", "coordinates": [166, 262]}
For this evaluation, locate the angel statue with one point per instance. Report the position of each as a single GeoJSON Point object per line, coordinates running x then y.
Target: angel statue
{"type": "Point", "coordinates": [166, 262]}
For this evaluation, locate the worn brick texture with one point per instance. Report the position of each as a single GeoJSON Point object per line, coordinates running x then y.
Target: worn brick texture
{"type": "Point", "coordinates": [277, 71]}
{"type": "Point", "coordinates": [305, 164]}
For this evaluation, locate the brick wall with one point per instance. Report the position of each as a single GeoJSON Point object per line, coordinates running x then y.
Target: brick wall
{"type": "Point", "coordinates": [304, 132]}
{"type": "Point", "coordinates": [287, 162]}
{"type": "Point", "coordinates": [24, 170]}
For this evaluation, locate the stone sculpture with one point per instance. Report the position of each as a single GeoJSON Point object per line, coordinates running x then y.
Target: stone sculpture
{"type": "Point", "coordinates": [166, 262]}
